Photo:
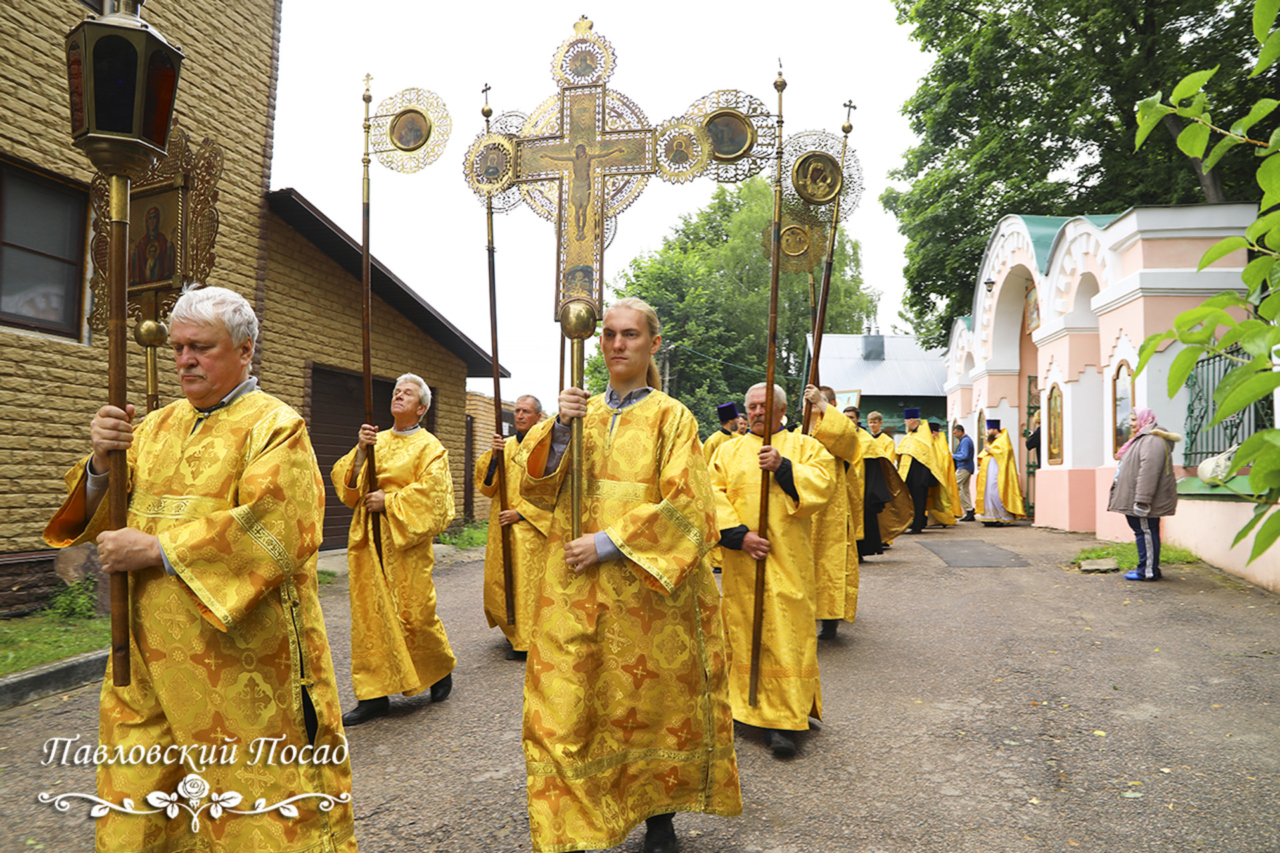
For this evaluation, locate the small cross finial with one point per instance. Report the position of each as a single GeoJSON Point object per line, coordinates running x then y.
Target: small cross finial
{"type": "Point", "coordinates": [368, 78]}
{"type": "Point", "coordinates": [486, 110]}
{"type": "Point", "coordinates": [849, 107]}
{"type": "Point", "coordinates": [486, 89]}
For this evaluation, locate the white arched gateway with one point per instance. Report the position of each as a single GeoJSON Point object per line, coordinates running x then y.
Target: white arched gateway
{"type": "Point", "coordinates": [1061, 306]}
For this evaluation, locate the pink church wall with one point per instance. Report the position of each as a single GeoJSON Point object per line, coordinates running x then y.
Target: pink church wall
{"type": "Point", "coordinates": [1207, 528]}
{"type": "Point", "coordinates": [1181, 253]}
{"type": "Point", "coordinates": [1073, 490]}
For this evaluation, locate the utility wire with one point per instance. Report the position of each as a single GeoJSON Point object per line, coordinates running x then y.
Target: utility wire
{"type": "Point", "coordinates": [728, 363]}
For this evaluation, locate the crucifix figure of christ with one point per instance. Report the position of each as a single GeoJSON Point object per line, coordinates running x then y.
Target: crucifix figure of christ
{"type": "Point", "coordinates": [579, 162]}
{"type": "Point", "coordinates": [580, 183]}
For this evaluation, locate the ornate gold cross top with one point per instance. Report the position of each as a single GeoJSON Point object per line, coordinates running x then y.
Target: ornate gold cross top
{"type": "Point", "coordinates": [583, 157]}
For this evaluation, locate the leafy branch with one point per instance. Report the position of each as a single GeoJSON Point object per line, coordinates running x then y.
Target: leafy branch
{"type": "Point", "coordinates": [1256, 373]}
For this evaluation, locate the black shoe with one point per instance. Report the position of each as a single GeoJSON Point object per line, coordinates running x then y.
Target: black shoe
{"type": "Point", "coordinates": [968, 517]}
{"type": "Point", "coordinates": [441, 689]}
{"type": "Point", "coordinates": [366, 710]}
{"type": "Point", "coordinates": [660, 835]}
{"type": "Point", "coordinates": [781, 744]}
{"type": "Point", "coordinates": [513, 654]}
{"type": "Point", "coordinates": [829, 628]}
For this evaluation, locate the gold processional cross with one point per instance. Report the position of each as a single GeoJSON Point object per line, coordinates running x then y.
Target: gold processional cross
{"type": "Point", "coordinates": [586, 154]}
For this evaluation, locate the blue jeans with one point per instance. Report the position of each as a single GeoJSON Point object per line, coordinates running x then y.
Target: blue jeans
{"type": "Point", "coordinates": [1147, 533]}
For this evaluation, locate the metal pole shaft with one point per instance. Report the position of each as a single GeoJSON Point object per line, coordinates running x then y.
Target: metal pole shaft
{"type": "Point", "coordinates": [367, 314]}
{"type": "Point", "coordinates": [821, 322]}
{"type": "Point", "coordinates": [118, 396]}
{"type": "Point", "coordinates": [508, 571]}
{"type": "Point", "coordinates": [757, 625]}
{"type": "Point", "coordinates": [578, 349]}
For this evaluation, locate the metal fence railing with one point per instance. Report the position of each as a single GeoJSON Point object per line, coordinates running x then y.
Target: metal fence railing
{"type": "Point", "coordinates": [1204, 442]}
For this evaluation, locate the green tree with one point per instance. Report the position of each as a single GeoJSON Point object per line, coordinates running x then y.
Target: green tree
{"type": "Point", "coordinates": [709, 284]}
{"type": "Point", "coordinates": [1253, 344]}
{"type": "Point", "coordinates": [1028, 108]}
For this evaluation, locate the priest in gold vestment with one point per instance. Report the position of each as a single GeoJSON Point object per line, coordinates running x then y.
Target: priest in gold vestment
{"type": "Point", "coordinates": [803, 481]}
{"type": "Point", "coordinates": [227, 641]}
{"type": "Point", "coordinates": [398, 643]}
{"type": "Point", "coordinates": [999, 499]}
{"type": "Point", "coordinates": [918, 466]}
{"type": "Point", "coordinates": [836, 527]}
{"type": "Point", "coordinates": [944, 502]}
{"type": "Point", "coordinates": [529, 525]}
{"type": "Point", "coordinates": [626, 712]}
{"type": "Point", "coordinates": [886, 504]}
{"type": "Point", "coordinates": [875, 426]}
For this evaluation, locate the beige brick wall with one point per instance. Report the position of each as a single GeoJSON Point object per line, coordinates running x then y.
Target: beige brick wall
{"type": "Point", "coordinates": [313, 312]}
{"type": "Point", "coordinates": [50, 386]}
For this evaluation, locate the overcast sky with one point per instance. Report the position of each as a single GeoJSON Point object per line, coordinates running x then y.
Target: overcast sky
{"type": "Point", "coordinates": [429, 228]}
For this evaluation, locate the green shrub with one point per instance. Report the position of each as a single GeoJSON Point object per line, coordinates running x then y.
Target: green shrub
{"type": "Point", "coordinates": [77, 601]}
{"type": "Point", "coordinates": [473, 535]}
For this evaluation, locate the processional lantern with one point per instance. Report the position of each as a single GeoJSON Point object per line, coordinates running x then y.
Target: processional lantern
{"type": "Point", "coordinates": [123, 80]}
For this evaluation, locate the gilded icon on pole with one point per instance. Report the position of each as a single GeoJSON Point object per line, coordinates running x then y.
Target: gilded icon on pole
{"type": "Point", "coordinates": [410, 130]}
{"type": "Point", "coordinates": [817, 177]}
{"type": "Point", "coordinates": [795, 241]}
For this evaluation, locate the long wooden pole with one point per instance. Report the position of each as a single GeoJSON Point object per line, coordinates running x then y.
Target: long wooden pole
{"type": "Point", "coordinates": [757, 623]}
{"type": "Point", "coordinates": [118, 396]}
{"type": "Point", "coordinates": [508, 572]}
{"type": "Point", "coordinates": [820, 323]}
{"type": "Point", "coordinates": [371, 470]}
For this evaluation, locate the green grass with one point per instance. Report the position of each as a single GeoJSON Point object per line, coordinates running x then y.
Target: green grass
{"type": "Point", "coordinates": [1126, 554]}
{"type": "Point", "coordinates": [41, 638]}
{"type": "Point", "coordinates": [324, 577]}
{"type": "Point", "coordinates": [473, 535]}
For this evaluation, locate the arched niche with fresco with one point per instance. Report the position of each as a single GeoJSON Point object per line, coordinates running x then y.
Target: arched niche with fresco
{"type": "Point", "coordinates": [1121, 404]}
{"type": "Point", "coordinates": [1055, 425]}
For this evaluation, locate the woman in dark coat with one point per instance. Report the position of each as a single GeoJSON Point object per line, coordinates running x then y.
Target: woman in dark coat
{"type": "Point", "coordinates": [1145, 488]}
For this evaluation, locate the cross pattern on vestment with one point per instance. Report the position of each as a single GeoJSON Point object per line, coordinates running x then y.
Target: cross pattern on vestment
{"type": "Point", "coordinates": [581, 160]}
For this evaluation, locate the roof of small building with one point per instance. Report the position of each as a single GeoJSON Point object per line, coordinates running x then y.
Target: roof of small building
{"type": "Point", "coordinates": [907, 369]}
{"type": "Point", "coordinates": [305, 218]}
{"type": "Point", "coordinates": [1044, 231]}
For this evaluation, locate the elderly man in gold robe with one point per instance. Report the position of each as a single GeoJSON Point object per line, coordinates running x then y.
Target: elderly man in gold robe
{"type": "Point", "coordinates": [527, 525]}
{"type": "Point", "coordinates": [836, 528]}
{"type": "Point", "coordinates": [228, 652]}
{"type": "Point", "coordinates": [802, 481]}
{"type": "Point", "coordinates": [398, 643]}
{"type": "Point", "coordinates": [999, 494]}
{"type": "Point", "coordinates": [626, 711]}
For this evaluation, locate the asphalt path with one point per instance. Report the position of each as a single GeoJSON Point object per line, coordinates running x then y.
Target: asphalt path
{"type": "Point", "coordinates": [984, 709]}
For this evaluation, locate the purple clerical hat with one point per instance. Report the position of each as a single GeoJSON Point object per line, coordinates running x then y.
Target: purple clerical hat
{"type": "Point", "coordinates": [910, 414]}
{"type": "Point", "coordinates": [727, 411]}
{"type": "Point", "coordinates": [992, 423]}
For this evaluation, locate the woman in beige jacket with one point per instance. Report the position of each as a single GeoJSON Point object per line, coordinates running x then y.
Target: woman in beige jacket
{"type": "Point", "coordinates": [1145, 488]}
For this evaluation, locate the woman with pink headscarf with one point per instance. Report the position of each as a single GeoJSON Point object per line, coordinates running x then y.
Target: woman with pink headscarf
{"type": "Point", "coordinates": [1145, 488]}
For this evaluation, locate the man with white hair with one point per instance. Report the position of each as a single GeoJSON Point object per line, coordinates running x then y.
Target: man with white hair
{"type": "Point", "coordinates": [228, 644]}
{"type": "Point", "coordinates": [398, 643]}
{"type": "Point", "coordinates": [528, 534]}
{"type": "Point", "coordinates": [802, 481]}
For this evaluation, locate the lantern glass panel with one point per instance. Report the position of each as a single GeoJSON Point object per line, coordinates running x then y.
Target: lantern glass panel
{"type": "Point", "coordinates": [75, 80]}
{"type": "Point", "coordinates": [115, 77]}
{"type": "Point", "coordinates": [162, 81]}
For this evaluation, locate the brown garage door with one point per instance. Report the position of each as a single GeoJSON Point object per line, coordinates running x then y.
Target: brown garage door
{"type": "Point", "coordinates": [337, 410]}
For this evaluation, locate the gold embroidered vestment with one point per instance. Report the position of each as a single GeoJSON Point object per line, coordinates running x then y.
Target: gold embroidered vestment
{"type": "Point", "coordinates": [231, 649]}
